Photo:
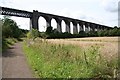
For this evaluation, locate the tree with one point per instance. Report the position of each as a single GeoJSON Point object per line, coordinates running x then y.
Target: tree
{"type": "Point", "coordinates": [83, 33]}
{"type": "Point", "coordinates": [10, 28]}
{"type": "Point", "coordinates": [49, 30]}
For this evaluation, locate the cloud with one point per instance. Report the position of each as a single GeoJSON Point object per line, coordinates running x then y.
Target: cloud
{"type": "Point", "coordinates": [110, 5]}
{"type": "Point", "coordinates": [5, 1]}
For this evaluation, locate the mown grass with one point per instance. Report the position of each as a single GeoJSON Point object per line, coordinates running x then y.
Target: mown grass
{"type": "Point", "coordinates": [67, 61]}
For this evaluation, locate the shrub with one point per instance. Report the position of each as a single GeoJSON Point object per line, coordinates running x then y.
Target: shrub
{"type": "Point", "coordinates": [83, 33]}
{"type": "Point", "coordinates": [49, 30]}
{"type": "Point", "coordinates": [44, 35]}
{"type": "Point", "coordinates": [92, 34]}
{"type": "Point", "coordinates": [32, 34]}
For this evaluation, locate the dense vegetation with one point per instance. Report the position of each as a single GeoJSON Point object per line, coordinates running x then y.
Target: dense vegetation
{"type": "Point", "coordinates": [10, 32]}
{"type": "Point", "coordinates": [50, 33]}
{"type": "Point", "coordinates": [67, 61]}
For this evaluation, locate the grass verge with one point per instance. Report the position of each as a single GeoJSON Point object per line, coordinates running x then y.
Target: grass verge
{"type": "Point", "coordinates": [7, 42]}
{"type": "Point", "coordinates": [67, 61]}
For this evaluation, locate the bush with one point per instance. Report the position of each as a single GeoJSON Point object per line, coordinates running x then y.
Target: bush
{"type": "Point", "coordinates": [83, 33]}
{"type": "Point", "coordinates": [49, 30]}
{"type": "Point", "coordinates": [32, 34]}
{"type": "Point", "coordinates": [43, 35]}
{"type": "Point", "coordinates": [92, 34]}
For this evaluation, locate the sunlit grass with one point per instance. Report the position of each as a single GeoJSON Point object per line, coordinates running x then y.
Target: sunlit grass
{"type": "Point", "coordinates": [67, 61]}
{"type": "Point", "coordinates": [7, 42]}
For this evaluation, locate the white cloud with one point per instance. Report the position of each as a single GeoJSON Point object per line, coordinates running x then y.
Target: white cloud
{"type": "Point", "coordinates": [110, 5]}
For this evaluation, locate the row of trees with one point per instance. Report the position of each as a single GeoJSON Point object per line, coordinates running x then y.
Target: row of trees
{"type": "Point", "coordinates": [50, 33]}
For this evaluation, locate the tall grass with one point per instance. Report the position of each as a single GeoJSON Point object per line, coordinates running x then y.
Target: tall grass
{"type": "Point", "coordinates": [7, 42]}
{"type": "Point", "coordinates": [66, 61]}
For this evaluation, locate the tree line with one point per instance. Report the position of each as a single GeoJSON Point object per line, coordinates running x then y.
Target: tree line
{"type": "Point", "coordinates": [11, 29]}
{"type": "Point", "coordinates": [50, 33]}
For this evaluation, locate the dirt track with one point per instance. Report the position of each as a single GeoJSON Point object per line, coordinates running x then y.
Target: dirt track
{"type": "Point", "coordinates": [14, 64]}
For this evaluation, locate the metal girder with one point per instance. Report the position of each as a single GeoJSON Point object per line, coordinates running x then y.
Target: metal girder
{"type": "Point", "coordinates": [15, 12]}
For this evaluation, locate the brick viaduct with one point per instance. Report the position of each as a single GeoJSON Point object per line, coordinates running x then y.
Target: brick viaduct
{"type": "Point", "coordinates": [34, 17]}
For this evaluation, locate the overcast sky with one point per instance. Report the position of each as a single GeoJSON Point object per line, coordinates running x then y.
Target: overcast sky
{"type": "Point", "coordinates": [98, 11]}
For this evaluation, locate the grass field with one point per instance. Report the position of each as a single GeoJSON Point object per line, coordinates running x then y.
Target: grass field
{"type": "Point", "coordinates": [73, 58]}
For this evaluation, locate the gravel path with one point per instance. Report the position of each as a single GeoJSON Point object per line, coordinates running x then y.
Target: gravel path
{"type": "Point", "coordinates": [14, 63]}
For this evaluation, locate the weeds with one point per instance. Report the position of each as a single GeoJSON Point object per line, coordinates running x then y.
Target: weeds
{"type": "Point", "coordinates": [67, 61]}
{"type": "Point", "coordinates": [7, 42]}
